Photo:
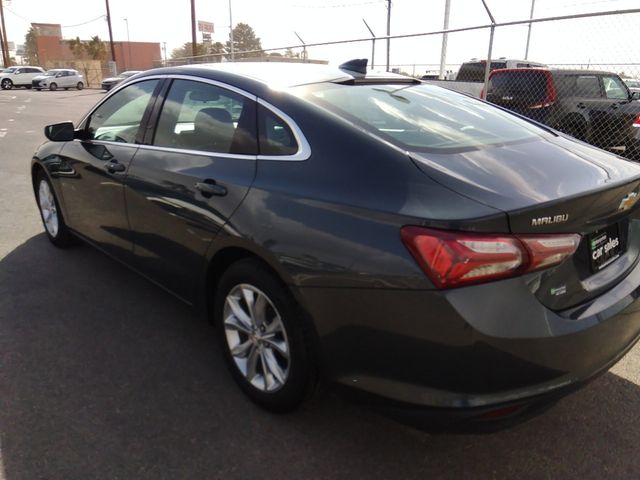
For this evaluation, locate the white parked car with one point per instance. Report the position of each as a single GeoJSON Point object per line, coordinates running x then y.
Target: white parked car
{"type": "Point", "coordinates": [18, 76]}
{"type": "Point", "coordinates": [59, 78]}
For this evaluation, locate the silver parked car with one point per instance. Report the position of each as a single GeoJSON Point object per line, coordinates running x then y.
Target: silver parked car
{"type": "Point", "coordinates": [59, 78]}
{"type": "Point", "coordinates": [18, 76]}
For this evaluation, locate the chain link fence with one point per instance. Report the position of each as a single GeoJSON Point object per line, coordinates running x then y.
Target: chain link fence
{"type": "Point", "coordinates": [579, 74]}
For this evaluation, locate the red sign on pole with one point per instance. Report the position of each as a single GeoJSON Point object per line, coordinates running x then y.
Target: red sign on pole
{"type": "Point", "coordinates": [206, 27]}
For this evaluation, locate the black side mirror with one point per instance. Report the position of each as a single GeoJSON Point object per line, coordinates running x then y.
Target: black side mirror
{"type": "Point", "coordinates": [60, 132]}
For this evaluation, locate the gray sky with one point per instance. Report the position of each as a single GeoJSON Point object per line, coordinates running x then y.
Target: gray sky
{"type": "Point", "coordinates": [603, 40]}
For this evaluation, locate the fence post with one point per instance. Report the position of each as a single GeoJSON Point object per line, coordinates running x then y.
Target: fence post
{"type": "Point", "coordinates": [487, 68]}
{"type": "Point", "coordinates": [443, 54]}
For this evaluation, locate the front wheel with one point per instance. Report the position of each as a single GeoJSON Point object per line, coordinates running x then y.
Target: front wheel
{"type": "Point", "coordinates": [53, 87]}
{"type": "Point", "coordinates": [6, 84]}
{"type": "Point", "coordinates": [80, 86]}
{"type": "Point", "coordinates": [265, 338]}
{"type": "Point", "coordinates": [54, 225]}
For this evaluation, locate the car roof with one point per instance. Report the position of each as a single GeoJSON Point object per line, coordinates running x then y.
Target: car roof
{"type": "Point", "coordinates": [279, 74]}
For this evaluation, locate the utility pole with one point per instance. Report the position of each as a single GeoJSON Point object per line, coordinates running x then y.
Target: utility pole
{"type": "Point", "coordinates": [128, 43]}
{"type": "Point", "coordinates": [443, 55]}
{"type": "Point", "coordinates": [231, 33]}
{"type": "Point", "coordinates": [526, 51]}
{"type": "Point", "coordinates": [5, 46]}
{"type": "Point", "coordinates": [373, 43]}
{"type": "Point", "coordinates": [113, 50]}
{"type": "Point", "coordinates": [4, 61]}
{"type": "Point", "coordinates": [194, 40]}
{"type": "Point", "coordinates": [388, 32]}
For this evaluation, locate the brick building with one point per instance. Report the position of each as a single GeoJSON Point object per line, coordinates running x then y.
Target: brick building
{"type": "Point", "coordinates": [53, 49]}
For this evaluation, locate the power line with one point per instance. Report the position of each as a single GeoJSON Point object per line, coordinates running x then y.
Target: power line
{"type": "Point", "coordinates": [63, 26]}
{"type": "Point", "coordinates": [85, 23]}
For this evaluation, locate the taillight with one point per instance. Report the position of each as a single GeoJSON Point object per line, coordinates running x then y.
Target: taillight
{"type": "Point", "coordinates": [636, 121]}
{"type": "Point", "coordinates": [452, 259]}
{"type": "Point", "coordinates": [548, 250]}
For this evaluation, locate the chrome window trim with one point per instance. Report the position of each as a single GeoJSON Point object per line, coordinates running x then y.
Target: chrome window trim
{"type": "Point", "coordinates": [202, 153]}
{"type": "Point", "coordinates": [304, 149]}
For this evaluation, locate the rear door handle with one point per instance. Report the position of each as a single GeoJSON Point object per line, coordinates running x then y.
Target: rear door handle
{"type": "Point", "coordinates": [209, 188]}
{"type": "Point", "coordinates": [581, 105]}
{"type": "Point", "coordinates": [113, 166]}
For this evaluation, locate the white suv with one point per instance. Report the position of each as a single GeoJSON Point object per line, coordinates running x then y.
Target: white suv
{"type": "Point", "coordinates": [18, 76]}
{"type": "Point", "coordinates": [59, 78]}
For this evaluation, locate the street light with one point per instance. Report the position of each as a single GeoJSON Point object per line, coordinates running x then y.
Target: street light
{"type": "Point", "coordinates": [128, 44]}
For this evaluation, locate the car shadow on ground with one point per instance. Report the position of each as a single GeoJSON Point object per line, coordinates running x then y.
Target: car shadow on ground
{"type": "Point", "coordinates": [103, 375]}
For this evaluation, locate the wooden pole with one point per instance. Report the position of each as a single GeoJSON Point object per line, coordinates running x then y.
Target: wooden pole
{"type": "Point", "coordinates": [113, 51]}
{"type": "Point", "coordinates": [194, 40]}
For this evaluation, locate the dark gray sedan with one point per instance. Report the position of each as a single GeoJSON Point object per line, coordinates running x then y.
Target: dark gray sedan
{"type": "Point", "coordinates": [109, 83]}
{"type": "Point", "coordinates": [432, 252]}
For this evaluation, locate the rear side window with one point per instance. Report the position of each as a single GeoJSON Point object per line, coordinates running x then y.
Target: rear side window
{"type": "Point", "coordinates": [276, 138]}
{"type": "Point", "coordinates": [524, 87]}
{"type": "Point", "coordinates": [587, 86]}
{"type": "Point", "coordinates": [423, 117]}
{"type": "Point", "coordinates": [204, 117]}
{"type": "Point", "coordinates": [118, 118]}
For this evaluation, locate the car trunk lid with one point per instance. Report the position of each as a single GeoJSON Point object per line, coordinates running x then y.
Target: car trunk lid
{"type": "Point", "coordinates": [555, 186]}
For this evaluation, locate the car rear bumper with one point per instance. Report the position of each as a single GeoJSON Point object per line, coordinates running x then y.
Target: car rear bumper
{"type": "Point", "coordinates": [470, 349]}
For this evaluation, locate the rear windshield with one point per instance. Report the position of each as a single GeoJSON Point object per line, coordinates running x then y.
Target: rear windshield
{"type": "Point", "coordinates": [524, 87]}
{"type": "Point", "coordinates": [422, 117]}
{"type": "Point", "coordinates": [474, 71]}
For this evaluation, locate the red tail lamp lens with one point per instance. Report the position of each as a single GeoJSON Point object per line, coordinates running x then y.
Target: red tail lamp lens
{"type": "Point", "coordinates": [452, 259]}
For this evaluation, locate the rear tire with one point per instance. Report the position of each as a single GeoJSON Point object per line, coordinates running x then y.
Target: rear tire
{"type": "Point", "coordinates": [80, 86]}
{"type": "Point", "coordinates": [53, 87]}
{"type": "Point", "coordinates": [50, 213]}
{"type": "Point", "coordinates": [264, 336]}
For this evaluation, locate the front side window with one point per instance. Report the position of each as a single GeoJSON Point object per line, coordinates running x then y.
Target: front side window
{"type": "Point", "coordinates": [204, 117]}
{"type": "Point", "coordinates": [423, 117]}
{"type": "Point", "coordinates": [614, 88]}
{"type": "Point", "coordinates": [118, 119]}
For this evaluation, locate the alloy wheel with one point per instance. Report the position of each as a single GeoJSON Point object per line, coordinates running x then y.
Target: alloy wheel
{"type": "Point", "coordinates": [48, 208]}
{"type": "Point", "coordinates": [256, 338]}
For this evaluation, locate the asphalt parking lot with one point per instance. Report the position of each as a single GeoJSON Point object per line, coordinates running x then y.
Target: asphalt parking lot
{"type": "Point", "coordinates": [103, 375]}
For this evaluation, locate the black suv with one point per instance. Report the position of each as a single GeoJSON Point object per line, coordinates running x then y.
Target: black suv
{"type": "Point", "coordinates": [593, 106]}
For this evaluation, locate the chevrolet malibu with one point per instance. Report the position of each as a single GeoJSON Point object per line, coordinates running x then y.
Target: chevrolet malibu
{"type": "Point", "coordinates": [431, 252]}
